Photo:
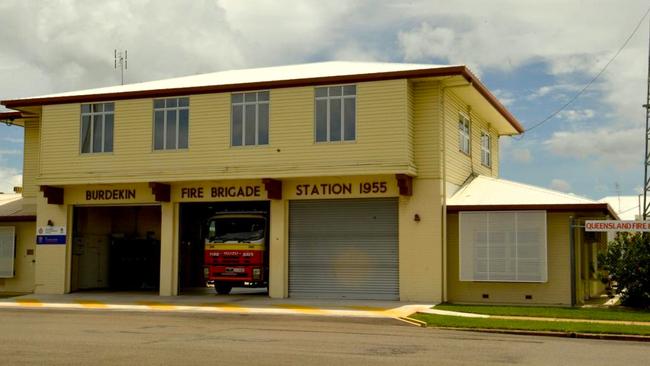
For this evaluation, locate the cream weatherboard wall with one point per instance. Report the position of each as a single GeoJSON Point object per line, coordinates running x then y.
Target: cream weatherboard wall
{"type": "Point", "coordinates": [23, 281]}
{"type": "Point", "coordinates": [556, 291]}
{"type": "Point", "coordinates": [381, 122]}
{"type": "Point", "coordinates": [31, 157]}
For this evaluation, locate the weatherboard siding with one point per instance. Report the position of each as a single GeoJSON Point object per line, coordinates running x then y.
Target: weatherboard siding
{"type": "Point", "coordinates": [428, 137]}
{"type": "Point", "coordinates": [459, 166]}
{"type": "Point", "coordinates": [381, 146]}
{"type": "Point", "coordinates": [31, 157]}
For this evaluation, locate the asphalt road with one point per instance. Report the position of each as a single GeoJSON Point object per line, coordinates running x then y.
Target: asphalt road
{"type": "Point", "coordinates": [58, 337]}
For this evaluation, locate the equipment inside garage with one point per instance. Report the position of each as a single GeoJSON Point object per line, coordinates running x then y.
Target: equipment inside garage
{"type": "Point", "coordinates": [205, 220]}
{"type": "Point", "coordinates": [116, 248]}
{"type": "Point", "coordinates": [344, 248]}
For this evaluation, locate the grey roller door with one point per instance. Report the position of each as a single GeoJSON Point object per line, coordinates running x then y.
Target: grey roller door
{"type": "Point", "coordinates": [344, 249]}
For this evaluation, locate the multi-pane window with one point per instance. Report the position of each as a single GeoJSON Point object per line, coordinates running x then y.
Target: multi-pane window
{"type": "Point", "coordinates": [486, 149]}
{"type": "Point", "coordinates": [170, 123]}
{"type": "Point", "coordinates": [463, 134]}
{"type": "Point", "coordinates": [250, 118]}
{"type": "Point", "coordinates": [97, 127]}
{"type": "Point", "coordinates": [503, 246]}
{"type": "Point", "coordinates": [336, 113]}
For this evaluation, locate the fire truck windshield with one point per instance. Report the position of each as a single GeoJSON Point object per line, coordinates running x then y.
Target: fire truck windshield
{"type": "Point", "coordinates": [239, 230]}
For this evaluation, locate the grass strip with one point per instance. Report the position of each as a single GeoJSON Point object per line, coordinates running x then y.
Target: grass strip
{"type": "Point", "coordinates": [531, 325]}
{"type": "Point", "coordinates": [622, 314]}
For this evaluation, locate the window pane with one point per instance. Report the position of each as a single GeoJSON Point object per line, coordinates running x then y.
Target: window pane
{"type": "Point", "coordinates": [263, 124]}
{"type": "Point", "coordinates": [109, 107]}
{"type": "Point", "coordinates": [335, 91]}
{"type": "Point", "coordinates": [183, 128]}
{"type": "Point", "coordinates": [350, 90]}
{"type": "Point", "coordinates": [249, 128]}
{"type": "Point", "coordinates": [237, 115]}
{"type": "Point", "coordinates": [98, 107]}
{"type": "Point", "coordinates": [85, 108]}
{"type": "Point", "coordinates": [350, 116]}
{"type": "Point", "coordinates": [263, 96]}
{"type": "Point", "coordinates": [183, 102]}
{"type": "Point", "coordinates": [159, 130]}
{"type": "Point", "coordinates": [321, 92]}
{"type": "Point", "coordinates": [171, 103]}
{"type": "Point", "coordinates": [85, 134]}
{"type": "Point", "coordinates": [250, 97]}
{"type": "Point", "coordinates": [159, 103]}
{"type": "Point", "coordinates": [170, 141]}
{"type": "Point", "coordinates": [321, 120]}
{"type": "Point", "coordinates": [335, 120]}
{"type": "Point", "coordinates": [108, 133]}
{"type": "Point", "coordinates": [97, 132]}
{"type": "Point", "coordinates": [237, 98]}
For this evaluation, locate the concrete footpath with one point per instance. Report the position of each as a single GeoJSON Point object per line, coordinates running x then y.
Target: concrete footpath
{"type": "Point", "coordinates": [238, 304]}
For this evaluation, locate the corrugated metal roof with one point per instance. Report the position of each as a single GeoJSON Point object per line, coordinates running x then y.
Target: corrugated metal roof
{"type": "Point", "coordinates": [256, 75]}
{"type": "Point", "coordinates": [484, 190]}
{"type": "Point", "coordinates": [15, 206]}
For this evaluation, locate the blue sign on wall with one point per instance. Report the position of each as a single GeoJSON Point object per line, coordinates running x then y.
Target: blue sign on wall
{"type": "Point", "coordinates": [50, 239]}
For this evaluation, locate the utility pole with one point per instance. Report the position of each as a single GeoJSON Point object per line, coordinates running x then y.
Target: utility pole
{"type": "Point", "coordinates": [121, 60]}
{"type": "Point", "coordinates": [646, 182]}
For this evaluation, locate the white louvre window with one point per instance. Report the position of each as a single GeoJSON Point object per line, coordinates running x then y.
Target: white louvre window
{"type": "Point", "coordinates": [97, 127]}
{"type": "Point", "coordinates": [7, 251]}
{"type": "Point", "coordinates": [486, 149]}
{"type": "Point", "coordinates": [336, 113]}
{"type": "Point", "coordinates": [250, 118]}
{"type": "Point", "coordinates": [463, 134]}
{"type": "Point", "coordinates": [171, 123]}
{"type": "Point", "coordinates": [503, 246]}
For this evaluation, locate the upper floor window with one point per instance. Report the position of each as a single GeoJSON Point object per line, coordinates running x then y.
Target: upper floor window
{"type": "Point", "coordinates": [250, 118]}
{"type": "Point", "coordinates": [463, 134]}
{"type": "Point", "coordinates": [336, 113]}
{"type": "Point", "coordinates": [170, 123]}
{"type": "Point", "coordinates": [486, 149]}
{"type": "Point", "coordinates": [97, 127]}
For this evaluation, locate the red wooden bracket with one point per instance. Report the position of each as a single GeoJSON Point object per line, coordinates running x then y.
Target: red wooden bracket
{"type": "Point", "coordinates": [405, 184]}
{"type": "Point", "coordinates": [273, 188]}
{"type": "Point", "coordinates": [54, 195]}
{"type": "Point", "coordinates": [161, 191]}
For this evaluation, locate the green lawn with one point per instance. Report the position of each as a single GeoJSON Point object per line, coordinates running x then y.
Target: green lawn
{"type": "Point", "coordinates": [615, 313]}
{"type": "Point", "coordinates": [535, 325]}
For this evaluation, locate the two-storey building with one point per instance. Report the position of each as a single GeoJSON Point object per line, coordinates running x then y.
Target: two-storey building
{"type": "Point", "coordinates": [353, 162]}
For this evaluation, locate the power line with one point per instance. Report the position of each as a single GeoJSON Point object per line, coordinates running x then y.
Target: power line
{"type": "Point", "coordinates": [579, 93]}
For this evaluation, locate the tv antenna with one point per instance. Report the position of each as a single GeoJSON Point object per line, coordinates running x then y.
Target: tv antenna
{"type": "Point", "coordinates": [646, 179]}
{"type": "Point", "coordinates": [121, 61]}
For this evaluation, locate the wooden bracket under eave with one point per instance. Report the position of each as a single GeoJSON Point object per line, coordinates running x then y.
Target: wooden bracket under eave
{"type": "Point", "coordinates": [273, 188]}
{"type": "Point", "coordinates": [405, 184]}
{"type": "Point", "coordinates": [160, 191]}
{"type": "Point", "coordinates": [54, 195]}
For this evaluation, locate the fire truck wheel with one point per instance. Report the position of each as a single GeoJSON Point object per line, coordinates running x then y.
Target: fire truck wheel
{"type": "Point", "coordinates": [222, 289]}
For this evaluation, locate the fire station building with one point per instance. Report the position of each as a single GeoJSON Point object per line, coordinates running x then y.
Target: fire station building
{"type": "Point", "coordinates": [379, 181]}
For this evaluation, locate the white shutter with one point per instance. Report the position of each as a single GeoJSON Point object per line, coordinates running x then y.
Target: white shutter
{"type": "Point", "coordinates": [7, 248]}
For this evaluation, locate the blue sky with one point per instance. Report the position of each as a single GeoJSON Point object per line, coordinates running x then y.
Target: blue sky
{"type": "Point", "coordinates": [533, 55]}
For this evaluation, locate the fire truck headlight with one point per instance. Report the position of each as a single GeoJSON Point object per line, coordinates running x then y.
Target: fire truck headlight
{"type": "Point", "coordinates": [256, 273]}
{"type": "Point", "coordinates": [206, 272]}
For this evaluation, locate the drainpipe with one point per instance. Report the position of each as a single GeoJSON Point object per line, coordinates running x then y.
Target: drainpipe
{"type": "Point", "coordinates": [443, 155]}
{"type": "Point", "coordinates": [572, 258]}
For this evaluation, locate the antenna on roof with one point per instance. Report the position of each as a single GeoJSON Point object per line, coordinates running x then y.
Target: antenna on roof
{"type": "Point", "coordinates": [121, 61]}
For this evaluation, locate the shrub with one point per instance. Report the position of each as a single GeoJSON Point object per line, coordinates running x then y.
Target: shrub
{"type": "Point", "coordinates": [627, 262]}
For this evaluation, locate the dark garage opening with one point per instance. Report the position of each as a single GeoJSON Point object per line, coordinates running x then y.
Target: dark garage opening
{"type": "Point", "coordinates": [193, 230]}
{"type": "Point", "coordinates": [116, 248]}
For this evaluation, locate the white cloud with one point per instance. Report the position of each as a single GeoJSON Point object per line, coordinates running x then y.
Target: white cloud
{"type": "Point", "coordinates": [560, 185]}
{"type": "Point", "coordinates": [9, 178]}
{"type": "Point", "coordinates": [13, 140]}
{"type": "Point", "coordinates": [10, 152]}
{"type": "Point", "coordinates": [558, 91]}
{"type": "Point", "coordinates": [573, 115]}
{"type": "Point", "coordinates": [522, 155]}
{"type": "Point", "coordinates": [612, 148]}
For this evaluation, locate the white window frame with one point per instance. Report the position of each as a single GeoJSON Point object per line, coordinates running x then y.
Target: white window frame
{"type": "Point", "coordinates": [464, 134]}
{"type": "Point", "coordinates": [243, 104]}
{"type": "Point", "coordinates": [486, 149]}
{"type": "Point", "coordinates": [92, 116]}
{"type": "Point", "coordinates": [9, 272]}
{"type": "Point", "coordinates": [165, 109]}
{"type": "Point", "coordinates": [329, 98]}
{"type": "Point", "coordinates": [544, 250]}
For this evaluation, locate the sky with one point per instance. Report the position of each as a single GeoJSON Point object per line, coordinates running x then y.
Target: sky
{"type": "Point", "coordinates": [533, 55]}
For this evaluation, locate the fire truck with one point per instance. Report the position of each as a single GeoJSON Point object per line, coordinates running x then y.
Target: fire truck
{"type": "Point", "coordinates": [236, 250]}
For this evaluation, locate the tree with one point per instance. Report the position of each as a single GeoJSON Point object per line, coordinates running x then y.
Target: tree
{"type": "Point", "coordinates": [627, 261]}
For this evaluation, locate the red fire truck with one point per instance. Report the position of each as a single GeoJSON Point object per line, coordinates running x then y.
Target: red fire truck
{"type": "Point", "coordinates": [236, 252]}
